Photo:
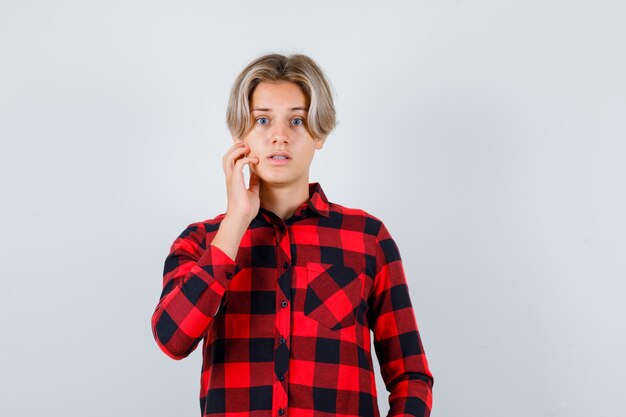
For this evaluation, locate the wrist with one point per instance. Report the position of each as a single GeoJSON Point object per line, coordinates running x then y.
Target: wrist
{"type": "Point", "coordinates": [235, 220]}
{"type": "Point", "coordinates": [235, 225]}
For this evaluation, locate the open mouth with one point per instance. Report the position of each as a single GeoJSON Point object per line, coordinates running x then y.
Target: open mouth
{"type": "Point", "coordinates": [279, 159]}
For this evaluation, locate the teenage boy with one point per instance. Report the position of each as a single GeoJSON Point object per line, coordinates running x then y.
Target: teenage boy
{"type": "Point", "coordinates": [284, 288]}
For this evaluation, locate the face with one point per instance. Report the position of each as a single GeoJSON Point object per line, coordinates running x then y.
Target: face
{"type": "Point", "coordinates": [278, 113]}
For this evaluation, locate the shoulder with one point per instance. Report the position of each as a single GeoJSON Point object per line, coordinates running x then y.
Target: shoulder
{"type": "Point", "coordinates": [378, 239]}
{"type": "Point", "coordinates": [367, 222]}
{"type": "Point", "coordinates": [198, 230]}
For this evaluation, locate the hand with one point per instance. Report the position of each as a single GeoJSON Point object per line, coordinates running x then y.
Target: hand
{"type": "Point", "coordinates": [243, 203]}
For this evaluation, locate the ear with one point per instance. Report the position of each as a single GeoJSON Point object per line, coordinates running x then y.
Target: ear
{"type": "Point", "coordinates": [319, 142]}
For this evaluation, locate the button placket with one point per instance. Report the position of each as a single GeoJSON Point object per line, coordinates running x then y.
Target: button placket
{"type": "Point", "coordinates": [283, 317]}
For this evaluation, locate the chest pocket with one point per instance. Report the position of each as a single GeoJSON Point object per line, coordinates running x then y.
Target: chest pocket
{"type": "Point", "coordinates": [333, 294]}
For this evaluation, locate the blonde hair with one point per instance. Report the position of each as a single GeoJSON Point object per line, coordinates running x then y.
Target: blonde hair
{"type": "Point", "coordinates": [296, 68]}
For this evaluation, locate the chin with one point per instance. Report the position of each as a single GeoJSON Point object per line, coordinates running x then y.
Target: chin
{"type": "Point", "coordinates": [277, 179]}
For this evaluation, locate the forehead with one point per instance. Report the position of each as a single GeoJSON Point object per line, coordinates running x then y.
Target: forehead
{"type": "Point", "coordinates": [275, 95]}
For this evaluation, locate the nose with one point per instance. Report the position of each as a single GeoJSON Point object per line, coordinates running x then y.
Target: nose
{"type": "Point", "coordinates": [280, 133]}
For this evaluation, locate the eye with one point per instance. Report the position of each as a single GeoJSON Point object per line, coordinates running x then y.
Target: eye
{"type": "Point", "coordinates": [263, 121]}
{"type": "Point", "coordinates": [297, 122]}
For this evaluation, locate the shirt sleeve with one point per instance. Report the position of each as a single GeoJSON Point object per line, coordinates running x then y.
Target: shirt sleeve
{"type": "Point", "coordinates": [397, 341]}
{"type": "Point", "coordinates": [195, 278]}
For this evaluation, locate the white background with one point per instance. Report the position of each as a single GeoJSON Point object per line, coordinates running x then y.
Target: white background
{"type": "Point", "coordinates": [487, 135]}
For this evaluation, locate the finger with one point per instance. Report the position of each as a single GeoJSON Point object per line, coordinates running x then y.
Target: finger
{"type": "Point", "coordinates": [236, 176]}
{"type": "Point", "coordinates": [234, 150]}
{"type": "Point", "coordinates": [233, 147]}
{"type": "Point", "coordinates": [243, 161]}
{"type": "Point", "coordinates": [255, 182]}
{"type": "Point", "coordinates": [231, 158]}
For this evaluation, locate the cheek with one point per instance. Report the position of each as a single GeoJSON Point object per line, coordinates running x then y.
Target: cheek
{"type": "Point", "coordinates": [251, 149]}
{"type": "Point", "coordinates": [253, 152]}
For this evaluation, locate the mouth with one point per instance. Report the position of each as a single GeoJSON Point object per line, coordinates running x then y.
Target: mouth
{"type": "Point", "coordinates": [279, 158]}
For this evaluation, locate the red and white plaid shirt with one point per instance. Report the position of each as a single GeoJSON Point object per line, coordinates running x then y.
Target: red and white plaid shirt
{"type": "Point", "coordinates": [286, 325]}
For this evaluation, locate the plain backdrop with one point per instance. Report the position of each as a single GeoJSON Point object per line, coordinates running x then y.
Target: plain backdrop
{"type": "Point", "coordinates": [487, 135]}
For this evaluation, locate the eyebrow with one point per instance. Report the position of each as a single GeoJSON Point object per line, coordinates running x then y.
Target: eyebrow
{"type": "Point", "coordinates": [268, 109]}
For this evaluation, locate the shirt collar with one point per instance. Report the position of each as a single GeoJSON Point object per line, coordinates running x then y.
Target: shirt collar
{"type": "Point", "coordinates": [317, 203]}
{"type": "Point", "coordinates": [317, 199]}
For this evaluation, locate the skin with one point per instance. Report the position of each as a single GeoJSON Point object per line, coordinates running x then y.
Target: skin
{"type": "Point", "coordinates": [278, 114]}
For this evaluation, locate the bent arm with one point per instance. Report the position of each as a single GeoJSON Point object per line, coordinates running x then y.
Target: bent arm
{"type": "Point", "coordinates": [194, 282]}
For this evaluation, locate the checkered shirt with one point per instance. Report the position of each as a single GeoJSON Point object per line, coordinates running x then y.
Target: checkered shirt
{"type": "Point", "coordinates": [286, 326]}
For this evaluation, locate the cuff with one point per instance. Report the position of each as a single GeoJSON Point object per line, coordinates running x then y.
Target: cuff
{"type": "Point", "coordinates": [216, 265]}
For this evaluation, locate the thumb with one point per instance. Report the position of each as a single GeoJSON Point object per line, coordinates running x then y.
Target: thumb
{"type": "Point", "coordinates": [255, 183]}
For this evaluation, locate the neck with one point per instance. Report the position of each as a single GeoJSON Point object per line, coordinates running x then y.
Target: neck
{"type": "Point", "coordinates": [283, 200]}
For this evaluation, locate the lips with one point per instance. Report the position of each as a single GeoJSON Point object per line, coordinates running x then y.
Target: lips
{"type": "Point", "coordinates": [285, 154]}
{"type": "Point", "coordinates": [279, 161]}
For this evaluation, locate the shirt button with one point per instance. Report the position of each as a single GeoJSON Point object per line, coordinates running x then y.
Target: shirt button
{"type": "Point", "coordinates": [281, 411]}
{"type": "Point", "coordinates": [229, 275]}
{"type": "Point", "coordinates": [286, 265]}
{"type": "Point", "coordinates": [281, 378]}
{"type": "Point", "coordinates": [282, 340]}
{"type": "Point", "coordinates": [284, 303]}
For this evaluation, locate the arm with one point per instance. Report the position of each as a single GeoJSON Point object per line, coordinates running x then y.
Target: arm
{"type": "Point", "coordinates": [397, 342]}
{"type": "Point", "coordinates": [194, 283]}
{"type": "Point", "coordinates": [195, 279]}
